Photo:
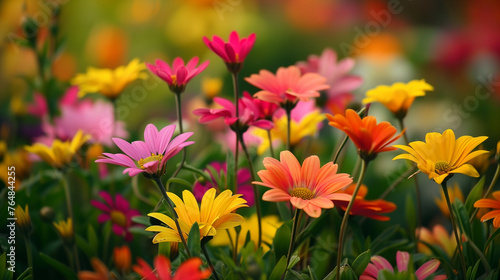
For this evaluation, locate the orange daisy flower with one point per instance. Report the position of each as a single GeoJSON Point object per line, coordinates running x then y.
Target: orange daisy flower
{"type": "Point", "coordinates": [369, 137]}
{"type": "Point", "coordinates": [307, 187]}
{"type": "Point", "coordinates": [490, 203]}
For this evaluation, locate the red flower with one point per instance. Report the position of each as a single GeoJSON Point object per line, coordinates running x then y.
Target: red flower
{"type": "Point", "coordinates": [179, 75]}
{"type": "Point", "coordinates": [367, 208]}
{"type": "Point", "coordinates": [188, 270]}
{"type": "Point", "coordinates": [233, 52]}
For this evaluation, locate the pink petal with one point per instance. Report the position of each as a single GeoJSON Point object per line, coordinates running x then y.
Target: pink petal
{"type": "Point", "coordinates": [178, 62]}
{"type": "Point", "coordinates": [165, 76]}
{"type": "Point", "coordinates": [164, 137]}
{"type": "Point", "coordinates": [104, 217]}
{"type": "Point", "coordinates": [118, 230]}
{"type": "Point", "coordinates": [133, 171]}
{"type": "Point", "coordinates": [163, 66]}
{"type": "Point", "coordinates": [230, 53]}
{"type": "Point", "coordinates": [381, 263]}
{"type": "Point", "coordinates": [191, 65]}
{"type": "Point", "coordinates": [427, 269]}
{"type": "Point", "coordinates": [299, 202]}
{"type": "Point", "coordinates": [121, 203]}
{"type": "Point", "coordinates": [276, 195]}
{"type": "Point", "coordinates": [127, 148]}
{"type": "Point", "coordinates": [107, 197]}
{"type": "Point", "coordinates": [312, 210]}
{"type": "Point", "coordinates": [182, 74]}
{"type": "Point", "coordinates": [402, 259]}
{"type": "Point", "coordinates": [101, 206]}
{"type": "Point", "coordinates": [150, 136]}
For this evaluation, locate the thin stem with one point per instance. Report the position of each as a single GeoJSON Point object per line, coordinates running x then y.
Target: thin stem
{"type": "Point", "coordinates": [70, 216]}
{"type": "Point", "coordinates": [196, 170]}
{"type": "Point", "coordinates": [489, 190]}
{"type": "Point", "coordinates": [233, 245]}
{"type": "Point", "coordinates": [210, 265]}
{"type": "Point", "coordinates": [77, 259]}
{"type": "Point", "coordinates": [288, 127]}
{"type": "Point", "coordinates": [455, 229]}
{"type": "Point", "coordinates": [169, 203]}
{"type": "Point", "coordinates": [236, 91]}
{"type": "Point", "coordinates": [474, 247]}
{"type": "Point", "coordinates": [396, 182]}
{"type": "Point", "coordinates": [255, 189]}
{"type": "Point", "coordinates": [29, 253]}
{"type": "Point", "coordinates": [270, 142]}
{"type": "Point", "coordinates": [343, 227]}
{"type": "Point", "coordinates": [337, 153]}
{"type": "Point", "coordinates": [292, 240]}
{"type": "Point", "coordinates": [181, 130]}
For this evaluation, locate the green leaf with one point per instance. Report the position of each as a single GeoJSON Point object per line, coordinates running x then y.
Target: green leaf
{"type": "Point", "coordinates": [492, 237]}
{"type": "Point", "coordinates": [361, 262]}
{"type": "Point", "coordinates": [279, 269]}
{"type": "Point", "coordinates": [143, 220]}
{"type": "Point", "coordinates": [178, 181]}
{"type": "Point", "coordinates": [471, 272]}
{"type": "Point", "coordinates": [164, 249]}
{"type": "Point", "coordinates": [295, 259]}
{"type": "Point", "coordinates": [462, 217]}
{"type": "Point", "coordinates": [5, 274]}
{"type": "Point", "coordinates": [60, 267]}
{"type": "Point", "coordinates": [475, 194]}
{"type": "Point", "coordinates": [193, 241]}
{"type": "Point", "coordinates": [92, 238]}
{"type": "Point", "coordinates": [312, 274]}
{"type": "Point", "coordinates": [411, 216]}
{"type": "Point", "coordinates": [26, 275]}
{"type": "Point", "coordinates": [84, 246]}
{"type": "Point", "coordinates": [295, 275]}
{"type": "Point", "coordinates": [284, 211]}
{"type": "Point", "coordinates": [281, 240]}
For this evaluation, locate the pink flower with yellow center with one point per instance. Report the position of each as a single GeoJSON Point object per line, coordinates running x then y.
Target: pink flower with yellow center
{"type": "Point", "coordinates": [179, 74]}
{"type": "Point", "coordinates": [118, 212]}
{"type": "Point", "coordinates": [288, 85]}
{"type": "Point", "coordinates": [233, 52]}
{"type": "Point", "coordinates": [149, 156]}
{"type": "Point", "coordinates": [308, 187]}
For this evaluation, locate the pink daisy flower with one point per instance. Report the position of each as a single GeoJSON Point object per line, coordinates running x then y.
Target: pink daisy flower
{"type": "Point", "coordinates": [233, 52]}
{"type": "Point", "coordinates": [306, 187]}
{"type": "Point", "coordinates": [179, 74]}
{"type": "Point", "coordinates": [118, 212]}
{"type": "Point", "coordinates": [288, 85]}
{"type": "Point", "coordinates": [149, 156]}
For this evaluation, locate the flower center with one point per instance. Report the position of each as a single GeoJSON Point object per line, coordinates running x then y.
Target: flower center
{"type": "Point", "coordinates": [174, 79]}
{"type": "Point", "coordinates": [237, 56]}
{"type": "Point", "coordinates": [153, 157]}
{"type": "Point", "coordinates": [118, 218]}
{"type": "Point", "coordinates": [442, 167]}
{"type": "Point", "coordinates": [303, 193]}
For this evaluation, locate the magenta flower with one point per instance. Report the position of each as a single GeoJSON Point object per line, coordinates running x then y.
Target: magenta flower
{"type": "Point", "coordinates": [288, 85]}
{"type": "Point", "coordinates": [249, 114]}
{"type": "Point", "coordinates": [118, 212]}
{"type": "Point", "coordinates": [234, 52]}
{"type": "Point", "coordinates": [39, 107]}
{"type": "Point", "coordinates": [337, 77]}
{"type": "Point", "coordinates": [151, 155]}
{"type": "Point", "coordinates": [378, 263]}
{"type": "Point", "coordinates": [179, 75]}
{"type": "Point", "coordinates": [244, 186]}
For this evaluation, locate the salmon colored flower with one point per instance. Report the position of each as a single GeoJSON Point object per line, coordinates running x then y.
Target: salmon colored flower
{"type": "Point", "coordinates": [122, 258]}
{"type": "Point", "coordinates": [288, 85]}
{"type": "Point", "coordinates": [493, 204]}
{"type": "Point", "coordinates": [306, 187]}
{"type": "Point", "coordinates": [151, 155]}
{"type": "Point", "coordinates": [455, 193]}
{"type": "Point", "coordinates": [117, 211]}
{"type": "Point", "coordinates": [378, 263]}
{"type": "Point", "coordinates": [441, 155]}
{"type": "Point", "coordinates": [107, 82]}
{"type": "Point", "coordinates": [440, 237]}
{"type": "Point", "coordinates": [398, 97]}
{"type": "Point", "coordinates": [179, 74]}
{"type": "Point", "coordinates": [101, 272]}
{"type": "Point", "coordinates": [215, 214]}
{"type": "Point", "coordinates": [233, 52]}
{"type": "Point", "coordinates": [369, 137]}
{"type": "Point", "coordinates": [368, 208]}
{"type": "Point", "coordinates": [188, 270]}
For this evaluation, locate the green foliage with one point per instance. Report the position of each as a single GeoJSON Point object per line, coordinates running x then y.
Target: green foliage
{"type": "Point", "coordinates": [193, 241]}
{"type": "Point", "coordinates": [64, 270]}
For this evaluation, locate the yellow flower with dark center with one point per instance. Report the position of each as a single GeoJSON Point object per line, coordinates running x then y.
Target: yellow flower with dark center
{"type": "Point", "coordinates": [65, 230]}
{"type": "Point", "coordinates": [454, 193]}
{"type": "Point", "coordinates": [60, 153]}
{"type": "Point", "coordinates": [398, 97]}
{"type": "Point", "coordinates": [441, 155]}
{"type": "Point", "coordinates": [214, 215]}
{"type": "Point", "coordinates": [107, 82]}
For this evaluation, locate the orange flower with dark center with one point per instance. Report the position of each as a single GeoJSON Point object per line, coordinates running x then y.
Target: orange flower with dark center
{"type": "Point", "coordinates": [369, 137]}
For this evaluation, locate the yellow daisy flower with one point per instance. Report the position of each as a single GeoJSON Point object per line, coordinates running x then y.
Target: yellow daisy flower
{"type": "Point", "coordinates": [441, 155]}
{"type": "Point", "coordinates": [65, 229]}
{"type": "Point", "coordinates": [107, 82]}
{"type": "Point", "coordinates": [214, 214]}
{"type": "Point", "coordinates": [398, 97]}
{"type": "Point", "coordinates": [60, 153]}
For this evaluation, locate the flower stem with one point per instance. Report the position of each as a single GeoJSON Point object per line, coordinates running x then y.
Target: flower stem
{"type": "Point", "coordinates": [29, 253]}
{"type": "Point", "coordinates": [455, 229]}
{"type": "Point", "coordinates": [339, 149]}
{"type": "Point", "coordinates": [343, 227]}
{"type": "Point", "coordinates": [489, 190]}
{"type": "Point", "coordinates": [214, 273]}
{"type": "Point", "coordinates": [70, 216]}
{"type": "Point", "coordinates": [292, 240]}
{"type": "Point", "coordinates": [236, 91]}
{"type": "Point", "coordinates": [181, 130]}
{"type": "Point", "coordinates": [270, 142]}
{"type": "Point", "coordinates": [169, 203]}
{"type": "Point", "coordinates": [288, 126]}
{"type": "Point", "coordinates": [255, 189]}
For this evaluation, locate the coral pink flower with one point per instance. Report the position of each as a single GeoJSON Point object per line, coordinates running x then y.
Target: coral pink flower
{"type": "Point", "coordinates": [249, 114]}
{"type": "Point", "coordinates": [367, 208]}
{"type": "Point", "coordinates": [378, 263]}
{"type": "Point", "coordinates": [288, 85]}
{"type": "Point", "coordinates": [188, 270]}
{"type": "Point", "coordinates": [309, 187]}
{"type": "Point", "coordinates": [234, 52]}
{"type": "Point", "coordinates": [244, 186]}
{"type": "Point", "coordinates": [151, 155]}
{"type": "Point", "coordinates": [118, 212]}
{"type": "Point", "coordinates": [337, 77]}
{"type": "Point", "coordinates": [179, 75]}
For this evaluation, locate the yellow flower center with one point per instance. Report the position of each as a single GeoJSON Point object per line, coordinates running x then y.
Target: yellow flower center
{"type": "Point", "coordinates": [237, 56]}
{"type": "Point", "coordinates": [174, 79]}
{"type": "Point", "coordinates": [118, 218]}
{"type": "Point", "coordinates": [303, 193]}
{"type": "Point", "coordinates": [153, 157]}
{"type": "Point", "coordinates": [442, 167]}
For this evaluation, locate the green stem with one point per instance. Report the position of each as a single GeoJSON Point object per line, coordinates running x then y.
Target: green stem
{"type": "Point", "coordinates": [77, 259]}
{"type": "Point", "coordinates": [455, 229]}
{"type": "Point", "coordinates": [210, 265]}
{"type": "Point", "coordinates": [67, 195]}
{"type": "Point", "coordinates": [169, 203]}
{"type": "Point", "coordinates": [489, 190]}
{"type": "Point", "coordinates": [337, 153]}
{"type": "Point", "coordinates": [288, 126]}
{"type": "Point", "coordinates": [181, 130]}
{"type": "Point", "coordinates": [270, 142]}
{"type": "Point", "coordinates": [343, 227]}
{"type": "Point", "coordinates": [29, 253]}
{"type": "Point", "coordinates": [480, 254]}
{"type": "Point", "coordinates": [236, 92]}
{"type": "Point", "coordinates": [292, 240]}
{"type": "Point", "coordinates": [196, 170]}
{"type": "Point", "coordinates": [396, 182]}
{"type": "Point", "coordinates": [255, 189]}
